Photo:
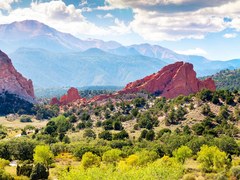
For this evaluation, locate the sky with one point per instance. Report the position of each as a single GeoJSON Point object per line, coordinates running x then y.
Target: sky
{"type": "Point", "coordinates": [209, 28]}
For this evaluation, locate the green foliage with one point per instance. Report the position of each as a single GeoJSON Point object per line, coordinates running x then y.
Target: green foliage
{"type": "Point", "coordinates": [62, 123]}
{"type": "Point", "coordinates": [89, 160]}
{"type": "Point", "coordinates": [211, 159]}
{"type": "Point", "coordinates": [228, 144]}
{"type": "Point", "coordinates": [89, 133]}
{"type": "Point", "coordinates": [205, 95]}
{"type": "Point", "coordinates": [25, 119]}
{"type": "Point", "coordinates": [105, 135]}
{"type": "Point", "coordinates": [112, 156]}
{"type": "Point", "coordinates": [18, 149]}
{"type": "Point", "coordinates": [43, 155]}
{"type": "Point", "coordinates": [150, 135]}
{"type": "Point", "coordinates": [5, 176]}
{"type": "Point", "coordinates": [146, 120]}
{"type": "Point", "coordinates": [227, 79]}
{"type": "Point", "coordinates": [165, 168]}
{"type": "Point", "coordinates": [39, 172]}
{"type": "Point", "coordinates": [45, 112]}
{"type": "Point", "coordinates": [11, 103]}
{"type": "Point", "coordinates": [134, 112]}
{"type": "Point", "coordinates": [235, 172]}
{"type": "Point", "coordinates": [59, 147]}
{"type": "Point", "coordinates": [3, 163]}
{"type": "Point", "coordinates": [117, 125]}
{"type": "Point", "coordinates": [139, 102]}
{"type": "Point", "coordinates": [182, 153]}
{"type": "Point", "coordinates": [24, 169]}
{"type": "Point", "coordinates": [121, 135]}
{"type": "Point", "coordinates": [163, 131]}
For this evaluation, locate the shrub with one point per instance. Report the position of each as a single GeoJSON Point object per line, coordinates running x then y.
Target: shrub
{"type": "Point", "coordinates": [121, 135]}
{"type": "Point", "coordinates": [150, 135]}
{"type": "Point", "coordinates": [24, 169]}
{"type": "Point", "coordinates": [182, 153]}
{"type": "Point", "coordinates": [88, 133]}
{"type": "Point", "coordinates": [39, 172]}
{"type": "Point", "coordinates": [89, 160]}
{"type": "Point", "coordinates": [112, 156]}
{"type": "Point", "coordinates": [163, 131]}
{"type": "Point", "coordinates": [43, 155]}
{"type": "Point", "coordinates": [3, 163]}
{"type": "Point", "coordinates": [117, 125]}
{"type": "Point", "coordinates": [5, 176]}
{"type": "Point", "coordinates": [105, 135]}
{"type": "Point", "coordinates": [25, 119]}
{"type": "Point", "coordinates": [235, 172]}
{"type": "Point", "coordinates": [211, 159]}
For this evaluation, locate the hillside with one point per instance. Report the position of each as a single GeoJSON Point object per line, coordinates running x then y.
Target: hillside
{"type": "Point", "coordinates": [227, 79]}
{"type": "Point", "coordinates": [138, 133]}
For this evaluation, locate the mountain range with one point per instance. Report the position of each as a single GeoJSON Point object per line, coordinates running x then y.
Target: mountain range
{"type": "Point", "coordinates": [55, 59]}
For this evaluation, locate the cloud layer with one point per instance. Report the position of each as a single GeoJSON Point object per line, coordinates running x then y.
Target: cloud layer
{"type": "Point", "coordinates": [153, 20]}
{"type": "Point", "coordinates": [180, 19]}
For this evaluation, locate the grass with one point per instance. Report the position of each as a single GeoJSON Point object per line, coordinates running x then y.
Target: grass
{"type": "Point", "coordinates": [17, 124]}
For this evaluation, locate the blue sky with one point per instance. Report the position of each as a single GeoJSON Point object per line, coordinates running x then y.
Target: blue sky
{"type": "Point", "coordinates": [200, 27]}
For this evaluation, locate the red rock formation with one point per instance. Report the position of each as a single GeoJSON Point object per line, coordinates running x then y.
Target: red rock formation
{"type": "Point", "coordinates": [171, 81]}
{"type": "Point", "coordinates": [54, 101]}
{"type": "Point", "coordinates": [12, 81]}
{"type": "Point", "coordinates": [71, 96]}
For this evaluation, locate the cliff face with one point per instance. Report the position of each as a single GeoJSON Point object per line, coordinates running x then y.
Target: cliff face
{"type": "Point", "coordinates": [171, 81]}
{"type": "Point", "coordinates": [12, 81]}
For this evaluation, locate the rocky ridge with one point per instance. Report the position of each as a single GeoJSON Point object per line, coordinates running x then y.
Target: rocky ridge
{"type": "Point", "coordinates": [12, 81]}
{"type": "Point", "coordinates": [171, 81]}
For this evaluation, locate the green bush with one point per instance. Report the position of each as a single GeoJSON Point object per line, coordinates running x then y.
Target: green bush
{"type": "Point", "coordinates": [24, 169]}
{"type": "Point", "coordinates": [212, 159]}
{"type": "Point", "coordinates": [89, 160]}
{"type": "Point", "coordinates": [88, 133]}
{"type": "Point", "coordinates": [106, 135]}
{"type": "Point", "coordinates": [5, 176]}
{"type": "Point", "coordinates": [235, 172]}
{"type": "Point", "coordinates": [182, 153]}
{"type": "Point", "coordinates": [39, 172]}
{"type": "Point", "coordinates": [25, 119]}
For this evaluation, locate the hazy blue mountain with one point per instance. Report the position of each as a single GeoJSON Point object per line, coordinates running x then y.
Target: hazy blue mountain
{"type": "Point", "coordinates": [125, 51]}
{"type": "Point", "coordinates": [55, 59]}
{"type": "Point", "coordinates": [202, 65]}
{"type": "Point", "coordinates": [33, 34]}
{"type": "Point", "coordinates": [90, 68]}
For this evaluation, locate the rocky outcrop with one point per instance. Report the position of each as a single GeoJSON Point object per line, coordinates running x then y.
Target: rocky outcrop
{"type": "Point", "coordinates": [171, 81]}
{"type": "Point", "coordinates": [12, 81]}
{"type": "Point", "coordinates": [71, 96]}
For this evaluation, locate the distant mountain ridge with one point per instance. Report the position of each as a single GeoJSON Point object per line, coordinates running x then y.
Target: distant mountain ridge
{"type": "Point", "coordinates": [55, 59]}
{"type": "Point", "coordinates": [33, 34]}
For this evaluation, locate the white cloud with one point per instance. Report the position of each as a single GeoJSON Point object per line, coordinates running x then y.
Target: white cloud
{"type": "Point", "coordinates": [196, 51]}
{"type": "Point", "coordinates": [120, 27]}
{"type": "Point", "coordinates": [158, 20]}
{"type": "Point", "coordinates": [230, 35]}
{"type": "Point", "coordinates": [6, 4]}
{"type": "Point", "coordinates": [108, 15]}
{"type": "Point", "coordinates": [65, 18]}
